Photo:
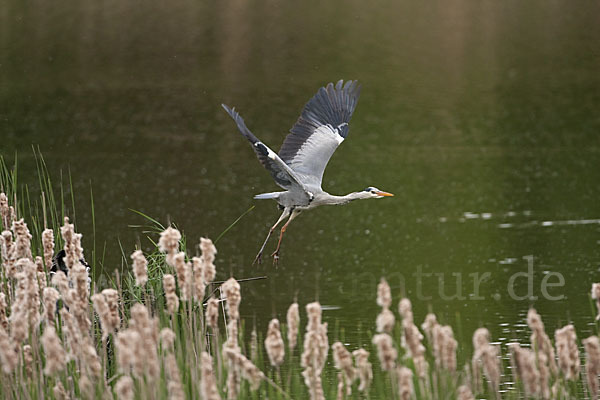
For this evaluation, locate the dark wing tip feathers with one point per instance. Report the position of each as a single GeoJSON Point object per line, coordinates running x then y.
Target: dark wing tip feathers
{"type": "Point", "coordinates": [240, 123]}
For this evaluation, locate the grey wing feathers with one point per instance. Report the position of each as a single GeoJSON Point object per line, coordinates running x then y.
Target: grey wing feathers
{"type": "Point", "coordinates": [321, 127]}
{"type": "Point", "coordinates": [281, 177]}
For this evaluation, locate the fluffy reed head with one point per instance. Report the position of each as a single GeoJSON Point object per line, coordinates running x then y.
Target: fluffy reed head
{"type": "Point", "coordinates": [208, 257]}
{"type": "Point", "coordinates": [592, 365]}
{"type": "Point", "coordinates": [293, 324]}
{"type": "Point", "coordinates": [363, 369]}
{"type": "Point", "coordinates": [384, 294]}
{"type": "Point", "coordinates": [386, 351]}
{"type": "Point", "coordinates": [274, 344]}
{"type": "Point", "coordinates": [48, 245]}
{"type": "Point", "coordinates": [73, 249]}
{"type": "Point", "coordinates": [170, 294]}
{"type": "Point", "coordinates": [231, 291]}
{"type": "Point", "coordinates": [405, 383]}
{"type": "Point", "coordinates": [124, 388]}
{"type": "Point", "coordinates": [568, 352]}
{"type": "Point", "coordinates": [169, 243]}
{"type": "Point", "coordinates": [343, 361]}
{"type": "Point", "coordinates": [208, 381]}
{"type": "Point", "coordinates": [524, 364]}
{"type": "Point", "coordinates": [140, 268]}
{"type": "Point", "coordinates": [56, 357]}
{"type": "Point", "coordinates": [212, 313]}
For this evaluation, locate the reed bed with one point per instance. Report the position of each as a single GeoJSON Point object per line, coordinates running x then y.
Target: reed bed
{"type": "Point", "coordinates": [166, 329]}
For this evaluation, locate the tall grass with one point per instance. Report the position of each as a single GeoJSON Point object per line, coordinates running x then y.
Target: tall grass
{"type": "Point", "coordinates": [165, 329]}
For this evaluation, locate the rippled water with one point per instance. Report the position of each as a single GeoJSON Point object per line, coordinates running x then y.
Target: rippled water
{"type": "Point", "coordinates": [482, 118]}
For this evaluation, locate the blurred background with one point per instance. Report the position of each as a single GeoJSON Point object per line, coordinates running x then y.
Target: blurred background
{"type": "Point", "coordinates": [481, 116]}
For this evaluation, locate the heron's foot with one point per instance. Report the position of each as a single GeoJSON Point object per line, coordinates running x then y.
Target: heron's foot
{"type": "Point", "coordinates": [257, 259]}
{"type": "Point", "coordinates": [275, 256]}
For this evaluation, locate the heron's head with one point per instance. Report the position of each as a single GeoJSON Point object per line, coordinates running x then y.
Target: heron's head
{"type": "Point", "coordinates": [375, 193]}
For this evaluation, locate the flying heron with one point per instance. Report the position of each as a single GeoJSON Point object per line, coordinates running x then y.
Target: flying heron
{"type": "Point", "coordinates": [299, 166]}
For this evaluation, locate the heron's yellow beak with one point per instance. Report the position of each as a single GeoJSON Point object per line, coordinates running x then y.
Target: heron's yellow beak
{"type": "Point", "coordinates": [385, 194]}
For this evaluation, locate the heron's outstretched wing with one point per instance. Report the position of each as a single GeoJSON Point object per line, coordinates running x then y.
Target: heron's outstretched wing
{"type": "Point", "coordinates": [283, 175]}
{"type": "Point", "coordinates": [322, 126]}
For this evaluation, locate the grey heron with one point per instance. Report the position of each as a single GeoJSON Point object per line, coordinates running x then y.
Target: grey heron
{"type": "Point", "coordinates": [299, 166]}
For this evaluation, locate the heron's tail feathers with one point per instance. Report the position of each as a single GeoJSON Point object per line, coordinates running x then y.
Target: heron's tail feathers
{"type": "Point", "coordinates": [268, 196]}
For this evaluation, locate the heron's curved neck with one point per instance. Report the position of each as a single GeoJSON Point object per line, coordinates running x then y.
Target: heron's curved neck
{"type": "Point", "coordinates": [330, 199]}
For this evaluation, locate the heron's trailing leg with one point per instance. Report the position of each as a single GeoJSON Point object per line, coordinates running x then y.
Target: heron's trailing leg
{"type": "Point", "coordinates": [284, 215]}
{"type": "Point", "coordinates": [275, 254]}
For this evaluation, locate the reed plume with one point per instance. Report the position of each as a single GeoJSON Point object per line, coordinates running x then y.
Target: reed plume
{"type": "Point", "coordinates": [385, 320]}
{"type": "Point", "coordinates": [465, 393]}
{"type": "Point", "coordinates": [343, 361]}
{"type": "Point", "coordinates": [540, 340]}
{"type": "Point", "coordinates": [212, 313]}
{"type": "Point", "coordinates": [596, 296]}
{"type": "Point", "coordinates": [169, 243]}
{"type": "Point", "coordinates": [208, 381]}
{"type": "Point", "coordinates": [56, 357]}
{"type": "Point", "coordinates": [315, 351]}
{"type": "Point", "coordinates": [592, 364]}
{"type": "Point", "coordinates": [170, 295]}
{"type": "Point", "coordinates": [48, 246]}
{"type": "Point", "coordinates": [140, 268]}
{"type": "Point", "coordinates": [274, 344]}
{"type": "Point", "coordinates": [293, 323]}
{"type": "Point", "coordinates": [485, 357]}
{"type": "Point", "coordinates": [73, 249]}
{"type": "Point", "coordinates": [124, 388]}
{"type": "Point", "coordinates": [9, 356]}
{"type": "Point", "coordinates": [363, 368]}
{"type": "Point", "coordinates": [22, 246]}
{"type": "Point", "coordinates": [568, 352]}
{"type": "Point", "coordinates": [386, 351]}
{"type": "Point", "coordinates": [405, 383]}
{"type": "Point", "coordinates": [412, 338]}
{"type": "Point", "coordinates": [6, 211]}
{"type": "Point", "coordinates": [524, 366]}
{"type": "Point", "coordinates": [208, 257]}
{"type": "Point", "coordinates": [231, 291]}
{"type": "Point", "coordinates": [184, 275]}
{"type": "Point", "coordinates": [3, 317]}
{"type": "Point", "coordinates": [199, 286]}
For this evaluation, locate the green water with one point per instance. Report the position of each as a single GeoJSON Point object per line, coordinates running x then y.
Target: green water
{"type": "Point", "coordinates": [481, 116]}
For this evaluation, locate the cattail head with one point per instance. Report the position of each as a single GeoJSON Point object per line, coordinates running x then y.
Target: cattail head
{"type": "Point", "coordinates": [22, 248]}
{"type": "Point", "coordinates": [199, 285]}
{"type": "Point", "coordinates": [293, 323]}
{"type": "Point", "coordinates": [140, 268]}
{"type": "Point", "coordinates": [385, 321]}
{"type": "Point", "coordinates": [55, 354]}
{"type": "Point", "coordinates": [9, 356]}
{"type": "Point", "coordinates": [48, 245]}
{"type": "Point", "coordinates": [343, 361]}
{"type": "Point", "coordinates": [386, 351]}
{"type": "Point", "coordinates": [384, 294]}
{"type": "Point", "coordinates": [124, 388]}
{"type": "Point", "coordinates": [231, 291]}
{"type": "Point", "coordinates": [106, 305]}
{"type": "Point", "coordinates": [405, 309]}
{"type": "Point", "coordinates": [169, 243]}
{"type": "Point", "coordinates": [3, 318]}
{"type": "Point", "coordinates": [212, 313]}
{"type": "Point", "coordinates": [170, 294]}
{"type": "Point", "coordinates": [596, 296]}
{"type": "Point", "coordinates": [464, 393]}
{"type": "Point", "coordinates": [208, 381]}
{"type": "Point", "coordinates": [524, 364]}
{"type": "Point", "coordinates": [274, 344]}
{"type": "Point", "coordinates": [208, 257]}
{"type": "Point", "coordinates": [405, 383]}
{"type": "Point", "coordinates": [363, 368]}
{"type": "Point", "coordinates": [184, 275]}
{"type": "Point", "coordinates": [592, 365]}
{"type": "Point", "coordinates": [73, 249]}
{"type": "Point", "coordinates": [167, 337]}
{"type": "Point", "coordinates": [568, 352]}
{"type": "Point", "coordinates": [6, 213]}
